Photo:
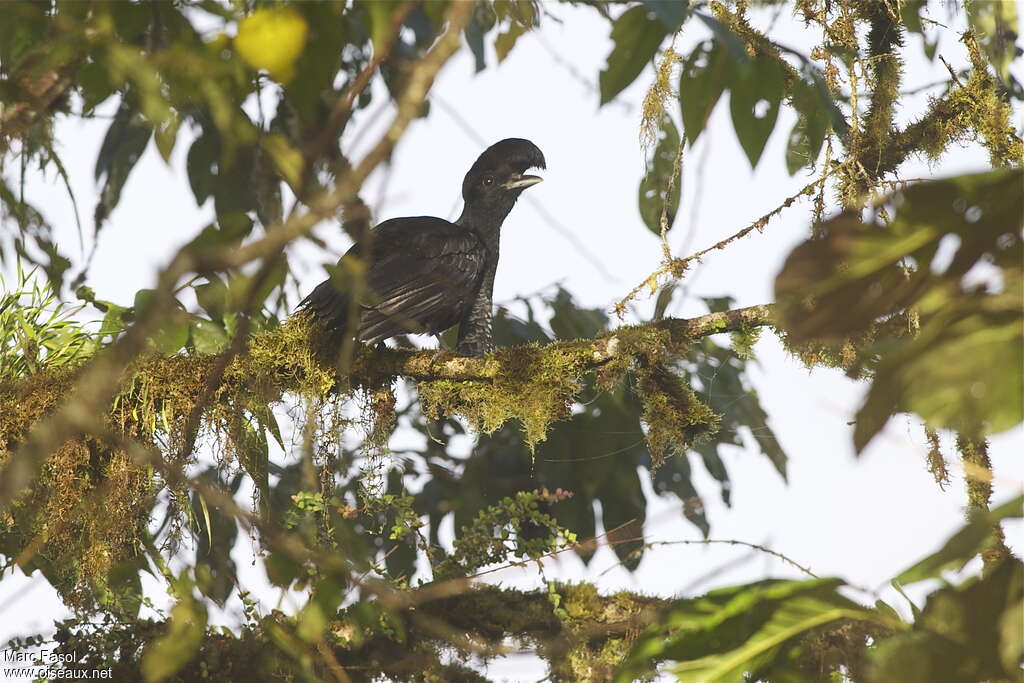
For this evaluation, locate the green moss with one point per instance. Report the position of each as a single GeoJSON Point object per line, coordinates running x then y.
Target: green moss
{"type": "Point", "coordinates": [675, 418]}
{"type": "Point", "coordinates": [594, 645]}
{"type": "Point", "coordinates": [91, 501]}
{"type": "Point", "coordinates": [533, 384]}
{"type": "Point", "coordinates": [298, 356]}
{"type": "Point", "coordinates": [743, 341]}
{"type": "Point", "coordinates": [536, 386]}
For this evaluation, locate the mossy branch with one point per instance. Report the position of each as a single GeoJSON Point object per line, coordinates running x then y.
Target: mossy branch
{"type": "Point", "coordinates": [298, 358]}
{"type": "Point", "coordinates": [978, 475]}
{"type": "Point", "coordinates": [592, 353]}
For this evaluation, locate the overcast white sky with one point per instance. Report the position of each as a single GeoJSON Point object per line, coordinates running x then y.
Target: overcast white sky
{"type": "Point", "coordinates": [861, 519]}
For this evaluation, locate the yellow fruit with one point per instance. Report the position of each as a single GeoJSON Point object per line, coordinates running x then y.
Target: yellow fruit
{"type": "Point", "coordinates": [272, 39]}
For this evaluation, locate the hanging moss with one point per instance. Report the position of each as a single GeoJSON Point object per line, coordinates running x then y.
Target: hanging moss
{"type": "Point", "coordinates": [91, 501]}
{"type": "Point", "coordinates": [675, 418]}
{"type": "Point", "coordinates": [297, 357]}
{"type": "Point", "coordinates": [533, 384]}
{"type": "Point", "coordinates": [537, 385]}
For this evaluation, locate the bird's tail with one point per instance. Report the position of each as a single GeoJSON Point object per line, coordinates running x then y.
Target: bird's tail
{"type": "Point", "coordinates": [328, 304]}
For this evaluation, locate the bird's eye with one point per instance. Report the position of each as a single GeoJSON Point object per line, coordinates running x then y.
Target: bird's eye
{"type": "Point", "coordinates": [489, 180]}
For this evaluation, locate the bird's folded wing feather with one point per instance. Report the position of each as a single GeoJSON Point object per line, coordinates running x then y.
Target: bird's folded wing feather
{"type": "Point", "coordinates": [424, 273]}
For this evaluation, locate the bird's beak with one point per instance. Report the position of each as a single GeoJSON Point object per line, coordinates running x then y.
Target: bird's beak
{"type": "Point", "coordinates": [521, 181]}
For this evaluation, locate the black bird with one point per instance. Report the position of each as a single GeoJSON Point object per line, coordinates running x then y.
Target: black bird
{"type": "Point", "coordinates": [425, 274]}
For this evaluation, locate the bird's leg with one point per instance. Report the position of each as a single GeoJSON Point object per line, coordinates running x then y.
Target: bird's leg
{"type": "Point", "coordinates": [442, 345]}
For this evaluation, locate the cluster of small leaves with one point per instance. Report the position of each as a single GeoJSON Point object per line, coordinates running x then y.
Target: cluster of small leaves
{"type": "Point", "coordinates": [496, 536]}
{"type": "Point", "coordinates": [37, 331]}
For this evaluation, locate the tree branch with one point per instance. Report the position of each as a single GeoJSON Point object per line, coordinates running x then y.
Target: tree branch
{"type": "Point", "coordinates": [430, 365]}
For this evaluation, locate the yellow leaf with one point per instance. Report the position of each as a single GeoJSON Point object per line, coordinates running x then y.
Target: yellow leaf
{"type": "Point", "coordinates": [272, 39]}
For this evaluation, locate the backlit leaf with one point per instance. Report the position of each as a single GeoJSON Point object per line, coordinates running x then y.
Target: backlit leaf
{"type": "Point", "coordinates": [122, 147]}
{"type": "Point", "coordinates": [732, 634]}
{"type": "Point", "coordinates": [653, 196]}
{"type": "Point", "coordinates": [637, 34]}
{"type": "Point", "coordinates": [754, 102]}
{"type": "Point", "coordinates": [704, 76]}
{"type": "Point", "coordinates": [208, 337]}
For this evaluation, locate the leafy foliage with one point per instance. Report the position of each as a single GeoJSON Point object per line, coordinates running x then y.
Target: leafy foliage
{"type": "Point", "coordinates": [38, 332]}
{"type": "Point", "coordinates": [342, 518]}
{"type": "Point", "coordinates": [969, 334]}
{"type": "Point", "coordinates": [803, 630]}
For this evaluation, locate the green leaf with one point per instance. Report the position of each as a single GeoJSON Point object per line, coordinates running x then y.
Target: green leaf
{"type": "Point", "coordinates": [724, 35]}
{"type": "Point", "coordinates": [239, 287]}
{"type": "Point", "coordinates": [804, 144]}
{"type": "Point", "coordinates": [663, 301]}
{"type": "Point", "coordinates": [168, 654]}
{"type": "Point", "coordinates": [964, 370]}
{"type": "Point", "coordinates": [792, 618]}
{"type": "Point", "coordinates": [623, 511]}
{"type": "Point", "coordinates": [675, 476]}
{"type": "Point", "coordinates": [479, 24]}
{"type": "Point", "coordinates": [172, 333]}
{"type": "Point", "coordinates": [572, 322]}
{"type": "Point", "coordinates": [320, 61]}
{"type": "Point", "coordinates": [671, 13]}
{"type": "Point", "coordinates": [731, 634]}
{"type": "Point", "coordinates": [653, 196]}
{"type": "Point", "coordinates": [704, 75]}
{"type": "Point", "coordinates": [964, 545]}
{"type": "Point", "coordinates": [228, 231]}
{"type": "Point", "coordinates": [215, 570]}
{"type": "Point", "coordinates": [208, 337]}
{"type": "Point", "coordinates": [95, 83]}
{"type": "Point", "coordinates": [910, 13]}
{"type": "Point", "coordinates": [959, 636]}
{"type": "Point", "coordinates": [202, 155]}
{"type": "Point", "coordinates": [287, 160]}
{"type": "Point", "coordinates": [282, 569]}
{"type": "Point", "coordinates": [380, 22]}
{"type": "Point", "coordinates": [166, 135]}
{"type": "Point", "coordinates": [122, 147]}
{"type": "Point", "coordinates": [725, 391]}
{"type": "Point", "coordinates": [213, 297]}
{"type": "Point", "coordinates": [637, 34]}
{"type": "Point", "coordinates": [754, 102]}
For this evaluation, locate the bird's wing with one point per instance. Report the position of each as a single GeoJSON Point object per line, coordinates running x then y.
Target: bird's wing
{"type": "Point", "coordinates": [423, 276]}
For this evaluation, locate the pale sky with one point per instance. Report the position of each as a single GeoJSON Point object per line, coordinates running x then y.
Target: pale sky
{"type": "Point", "coordinates": [862, 519]}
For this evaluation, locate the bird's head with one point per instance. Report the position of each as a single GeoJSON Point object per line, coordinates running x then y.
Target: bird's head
{"type": "Point", "coordinates": [499, 175]}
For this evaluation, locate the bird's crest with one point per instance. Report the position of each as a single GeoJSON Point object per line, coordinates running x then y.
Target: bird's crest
{"type": "Point", "coordinates": [511, 154]}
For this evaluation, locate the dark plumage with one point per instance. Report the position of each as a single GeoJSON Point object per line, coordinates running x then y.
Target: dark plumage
{"type": "Point", "coordinates": [424, 274]}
